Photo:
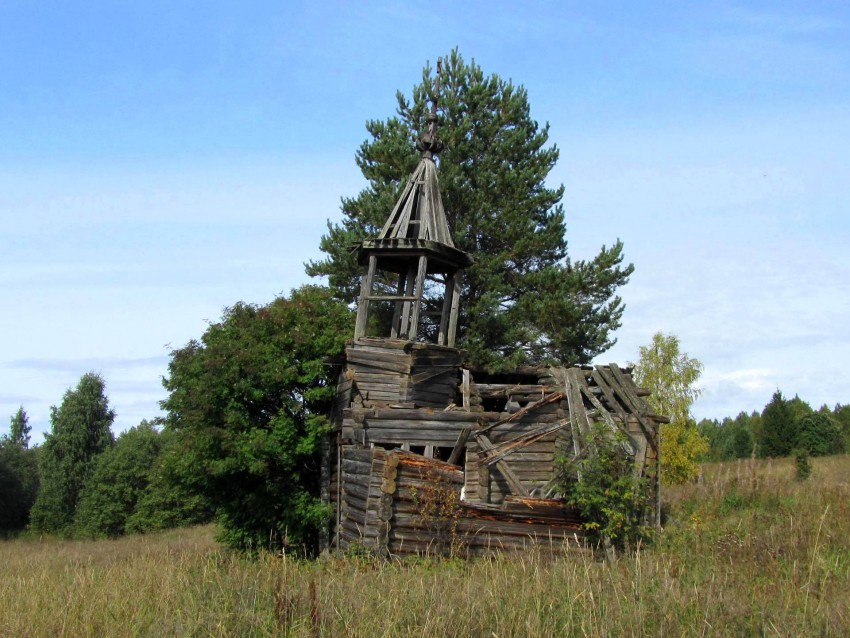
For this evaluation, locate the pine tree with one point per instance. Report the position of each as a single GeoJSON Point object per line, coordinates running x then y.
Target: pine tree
{"type": "Point", "coordinates": [779, 427]}
{"type": "Point", "coordinates": [524, 299]}
{"type": "Point", "coordinates": [80, 430]}
{"type": "Point", "coordinates": [19, 431]}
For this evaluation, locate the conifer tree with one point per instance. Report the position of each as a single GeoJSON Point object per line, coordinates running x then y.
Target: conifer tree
{"type": "Point", "coordinates": [779, 427]}
{"type": "Point", "coordinates": [79, 431]}
{"type": "Point", "coordinates": [524, 299]}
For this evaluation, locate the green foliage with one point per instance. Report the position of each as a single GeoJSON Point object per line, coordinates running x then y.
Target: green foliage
{"type": "Point", "coordinates": [802, 464]}
{"type": "Point", "coordinates": [779, 427]}
{"type": "Point", "coordinates": [841, 414]}
{"type": "Point", "coordinates": [783, 426]}
{"type": "Point", "coordinates": [119, 480]}
{"type": "Point", "coordinates": [819, 435]}
{"type": "Point", "coordinates": [603, 486]}
{"type": "Point", "coordinates": [671, 376]}
{"type": "Point", "coordinates": [79, 432]}
{"type": "Point", "coordinates": [742, 441]}
{"type": "Point", "coordinates": [18, 485]}
{"type": "Point", "coordinates": [250, 403]}
{"type": "Point", "coordinates": [18, 475]}
{"type": "Point", "coordinates": [167, 501]}
{"type": "Point", "coordinates": [731, 438]}
{"type": "Point", "coordinates": [523, 299]}
{"type": "Point", "coordinates": [19, 430]}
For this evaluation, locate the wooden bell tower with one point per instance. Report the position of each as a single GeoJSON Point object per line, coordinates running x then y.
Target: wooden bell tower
{"type": "Point", "coordinates": [413, 253]}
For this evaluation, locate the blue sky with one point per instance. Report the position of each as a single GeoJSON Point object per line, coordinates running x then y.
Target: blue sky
{"type": "Point", "coordinates": [161, 161]}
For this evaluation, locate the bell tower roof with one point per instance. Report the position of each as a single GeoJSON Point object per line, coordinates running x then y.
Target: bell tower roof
{"type": "Point", "coordinates": [413, 257]}
{"type": "Point", "coordinates": [418, 219]}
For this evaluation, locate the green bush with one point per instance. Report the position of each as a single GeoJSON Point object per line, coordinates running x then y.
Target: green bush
{"type": "Point", "coordinates": [19, 483]}
{"type": "Point", "coordinates": [819, 435]}
{"type": "Point", "coordinates": [605, 489]}
{"type": "Point", "coordinates": [802, 464]}
{"type": "Point", "coordinates": [249, 403]}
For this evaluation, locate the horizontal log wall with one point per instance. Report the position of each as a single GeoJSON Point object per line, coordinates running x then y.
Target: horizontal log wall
{"type": "Point", "coordinates": [428, 516]}
{"type": "Point", "coordinates": [396, 393]}
{"type": "Point", "coordinates": [394, 371]}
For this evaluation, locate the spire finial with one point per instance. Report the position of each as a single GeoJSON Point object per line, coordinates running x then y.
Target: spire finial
{"type": "Point", "coordinates": [429, 144]}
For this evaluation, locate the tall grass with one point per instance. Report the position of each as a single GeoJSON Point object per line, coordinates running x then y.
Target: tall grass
{"type": "Point", "coordinates": [747, 551]}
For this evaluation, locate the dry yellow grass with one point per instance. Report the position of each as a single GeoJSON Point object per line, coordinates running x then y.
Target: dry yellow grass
{"type": "Point", "coordinates": [748, 551]}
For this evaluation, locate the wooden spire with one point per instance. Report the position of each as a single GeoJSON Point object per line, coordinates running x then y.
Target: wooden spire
{"type": "Point", "coordinates": [414, 244]}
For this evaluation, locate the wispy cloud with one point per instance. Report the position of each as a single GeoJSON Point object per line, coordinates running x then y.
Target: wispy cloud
{"type": "Point", "coordinates": [782, 22]}
{"type": "Point", "coordinates": [94, 363]}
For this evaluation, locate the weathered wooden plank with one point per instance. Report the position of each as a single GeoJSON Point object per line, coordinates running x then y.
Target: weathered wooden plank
{"type": "Point", "coordinates": [354, 467]}
{"type": "Point", "coordinates": [455, 307]}
{"type": "Point", "coordinates": [604, 384]}
{"type": "Point", "coordinates": [411, 437]}
{"type": "Point", "coordinates": [381, 344]}
{"type": "Point", "coordinates": [521, 457]}
{"type": "Point", "coordinates": [426, 414]}
{"type": "Point", "coordinates": [556, 396]}
{"type": "Point", "coordinates": [382, 397]}
{"type": "Point", "coordinates": [497, 389]}
{"type": "Point", "coordinates": [371, 387]}
{"type": "Point", "coordinates": [485, 444]}
{"type": "Point", "coordinates": [460, 444]}
{"type": "Point", "coordinates": [363, 304]}
{"type": "Point", "coordinates": [421, 424]}
{"type": "Point", "coordinates": [354, 508]}
{"type": "Point", "coordinates": [378, 375]}
{"type": "Point", "coordinates": [352, 453]}
{"type": "Point", "coordinates": [380, 361]}
{"type": "Point", "coordinates": [636, 405]}
{"type": "Point", "coordinates": [501, 450]}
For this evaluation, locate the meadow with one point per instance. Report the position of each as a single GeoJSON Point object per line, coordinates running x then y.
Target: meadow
{"type": "Point", "coordinates": [746, 551]}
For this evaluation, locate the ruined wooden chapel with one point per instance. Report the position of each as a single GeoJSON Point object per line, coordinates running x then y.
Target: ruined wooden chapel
{"type": "Point", "coordinates": [428, 455]}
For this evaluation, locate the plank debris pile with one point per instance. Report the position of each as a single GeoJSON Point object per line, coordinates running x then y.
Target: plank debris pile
{"type": "Point", "coordinates": [473, 473]}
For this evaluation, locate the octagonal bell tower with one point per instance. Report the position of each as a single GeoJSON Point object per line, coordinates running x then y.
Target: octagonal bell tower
{"type": "Point", "coordinates": [414, 252]}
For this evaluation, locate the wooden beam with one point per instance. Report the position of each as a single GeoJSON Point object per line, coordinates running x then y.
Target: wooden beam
{"type": "Point", "coordinates": [516, 416]}
{"type": "Point", "coordinates": [447, 306]}
{"type": "Point", "coordinates": [406, 305]}
{"type": "Point", "coordinates": [363, 303]}
{"type": "Point", "coordinates": [486, 445]}
{"type": "Point", "coordinates": [462, 438]}
{"type": "Point", "coordinates": [635, 404]}
{"type": "Point", "coordinates": [402, 277]}
{"type": "Point", "coordinates": [418, 290]}
{"type": "Point", "coordinates": [501, 450]}
{"type": "Point", "coordinates": [466, 389]}
{"type": "Point", "coordinates": [453, 313]}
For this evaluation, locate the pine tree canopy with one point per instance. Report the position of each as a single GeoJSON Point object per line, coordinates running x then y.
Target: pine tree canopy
{"type": "Point", "coordinates": [524, 299]}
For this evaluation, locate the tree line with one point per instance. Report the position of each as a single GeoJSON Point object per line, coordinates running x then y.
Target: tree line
{"type": "Point", "coordinates": [783, 427]}
{"type": "Point", "coordinates": [84, 482]}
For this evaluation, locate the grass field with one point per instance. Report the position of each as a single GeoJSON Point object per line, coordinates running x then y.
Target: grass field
{"type": "Point", "coordinates": [746, 552]}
